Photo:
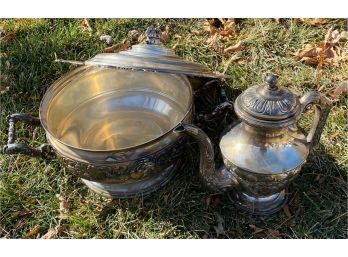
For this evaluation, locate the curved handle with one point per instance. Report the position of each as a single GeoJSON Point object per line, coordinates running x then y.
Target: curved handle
{"type": "Point", "coordinates": [15, 148]}
{"type": "Point", "coordinates": [224, 105]}
{"type": "Point", "coordinates": [217, 180]}
{"type": "Point", "coordinates": [322, 109]}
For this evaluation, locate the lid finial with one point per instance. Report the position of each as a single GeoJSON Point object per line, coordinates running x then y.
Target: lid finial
{"type": "Point", "coordinates": [153, 35]}
{"type": "Point", "coordinates": [272, 80]}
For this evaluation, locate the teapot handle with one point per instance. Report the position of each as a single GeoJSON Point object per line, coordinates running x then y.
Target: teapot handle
{"type": "Point", "coordinates": [15, 148]}
{"type": "Point", "coordinates": [322, 107]}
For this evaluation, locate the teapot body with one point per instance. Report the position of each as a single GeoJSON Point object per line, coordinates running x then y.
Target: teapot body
{"type": "Point", "coordinates": [263, 163]}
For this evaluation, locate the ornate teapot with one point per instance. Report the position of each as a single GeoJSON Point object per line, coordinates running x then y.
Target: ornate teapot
{"type": "Point", "coordinates": [264, 151]}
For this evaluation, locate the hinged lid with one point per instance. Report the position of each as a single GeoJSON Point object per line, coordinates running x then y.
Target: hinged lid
{"type": "Point", "coordinates": [152, 57]}
{"type": "Point", "coordinates": [268, 105]}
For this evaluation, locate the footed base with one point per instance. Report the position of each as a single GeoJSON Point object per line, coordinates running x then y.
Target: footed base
{"type": "Point", "coordinates": [259, 205]}
{"type": "Point", "coordinates": [137, 189]}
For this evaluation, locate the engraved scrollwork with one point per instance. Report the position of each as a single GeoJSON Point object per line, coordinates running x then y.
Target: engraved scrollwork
{"type": "Point", "coordinates": [125, 171]}
{"type": "Point", "coordinates": [267, 106]}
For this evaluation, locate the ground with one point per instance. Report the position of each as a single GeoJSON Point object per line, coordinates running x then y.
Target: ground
{"type": "Point", "coordinates": [38, 196]}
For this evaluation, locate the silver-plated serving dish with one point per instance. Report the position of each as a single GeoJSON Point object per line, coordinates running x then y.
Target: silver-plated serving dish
{"type": "Point", "coordinates": [112, 120]}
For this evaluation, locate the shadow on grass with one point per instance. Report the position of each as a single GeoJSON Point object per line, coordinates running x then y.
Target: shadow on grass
{"type": "Point", "coordinates": [318, 197]}
{"type": "Point", "coordinates": [317, 206]}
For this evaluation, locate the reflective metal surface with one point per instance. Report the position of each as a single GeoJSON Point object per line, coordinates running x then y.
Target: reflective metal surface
{"type": "Point", "coordinates": [111, 121]}
{"type": "Point", "coordinates": [261, 156]}
{"type": "Point", "coordinates": [104, 109]}
{"type": "Point", "coordinates": [153, 57]}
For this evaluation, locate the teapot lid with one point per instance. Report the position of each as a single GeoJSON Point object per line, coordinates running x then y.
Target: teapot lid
{"type": "Point", "coordinates": [151, 56]}
{"type": "Point", "coordinates": [268, 105]}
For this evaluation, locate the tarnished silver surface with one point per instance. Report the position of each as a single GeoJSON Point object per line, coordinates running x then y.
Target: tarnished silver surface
{"type": "Point", "coordinates": [261, 156]}
{"type": "Point", "coordinates": [153, 57]}
{"type": "Point", "coordinates": [111, 120]}
{"type": "Point", "coordinates": [139, 188]}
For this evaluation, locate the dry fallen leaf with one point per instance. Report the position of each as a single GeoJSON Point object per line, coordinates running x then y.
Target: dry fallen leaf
{"type": "Point", "coordinates": [33, 232]}
{"type": "Point", "coordinates": [313, 21]}
{"type": "Point", "coordinates": [324, 53]}
{"type": "Point", "coordinates": [20, 223]}
{"type": "Point", "coordinates": [124, 45]}
{"type": "Point", "coordinates": [342, 89]}
{"type": "Point", "coordinates": [22, 213]}
{"type": "Point", "coordinates": [287, 211]}
{"type": "Point", "coordinates": [256, 229]}
{"type": "Point", "coordinates": [142, 38]}
{"type": "Point", "coordinates": [133, 34]}
{"type": "Point", "coordinates": [85, 25]}
{"type": "Point", "coordinates": [8, 36]}
{"type": "Point", "coordinates": [220, 30]}
{"type": "Point", "coordinates": [3, 90]}
{"type": "Point", "coordinates": [165, 35]}
{"type": "Point", "coordinates": [50, 234]}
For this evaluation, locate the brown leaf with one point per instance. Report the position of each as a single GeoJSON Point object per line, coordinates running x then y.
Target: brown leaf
{"type": "Point", "coordinates": [85, 25]}
{"type": "Point", "coordinates": [142, 37]}
{"type": "Point", "coordinates": [219, 31]}
{"type": "Point", "coordinates": [22, 213]}
{"type": "Point", "coordinates": [20, 223]}
{"type": "Point", "coordinates": [256, 229]}
{"type": "Point", "coordinates": [165, 35]}
{"type": "Point", "coordinates": [336, 94]}
{"type": "Point", "coordinates": [124, 45]}
{"type": "Point", "coordinates": [9, 36]}
{"type": "Point", "coordinates": [235, 48]}
{"type": "Point", "coordinates": [313, 21]}
{"type": "Point", "coordinates": [3, 90]}
{"type": "Point", "coordinates": [51, 233]}
{"type": "Point", "coordinates": [133, 34]}
{"type": "Point", "coordinates": [324, 53]}
{"type": "Point", "coordinates": [33, 232]}
{"type": "Point", "coordinates": [287, 211]}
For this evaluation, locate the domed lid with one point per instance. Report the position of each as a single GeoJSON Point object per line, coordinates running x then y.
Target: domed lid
{"type": "Point", "coordinates": [268, 105]}
{"type": "Point", "coordinates": [152, 57]}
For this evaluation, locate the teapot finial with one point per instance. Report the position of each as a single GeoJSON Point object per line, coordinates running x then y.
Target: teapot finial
{"type": "Point", "coordinates": [272, 80]}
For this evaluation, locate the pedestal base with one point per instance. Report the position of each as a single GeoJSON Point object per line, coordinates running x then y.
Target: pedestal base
{"type": "Point", "coordinates": [137, 189]}
{"type": "Point", "coordinates": [259, 205]}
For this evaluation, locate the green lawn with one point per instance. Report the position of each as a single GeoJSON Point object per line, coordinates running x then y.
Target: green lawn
{"type": "Point", "coordinates": [29, 205]}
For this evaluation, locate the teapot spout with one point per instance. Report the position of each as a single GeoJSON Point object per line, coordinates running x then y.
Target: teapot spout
{"type": "Point", "coordinates": [217, 180]}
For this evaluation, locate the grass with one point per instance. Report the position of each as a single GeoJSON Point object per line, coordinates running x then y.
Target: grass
{"type": "Point", "coordinates": [183, 209]}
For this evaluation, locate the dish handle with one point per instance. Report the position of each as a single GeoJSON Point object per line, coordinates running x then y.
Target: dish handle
{"type": "Point", "coordinates": [223, 107]}
{"type": "Point", "coordinates": [20, 148]}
